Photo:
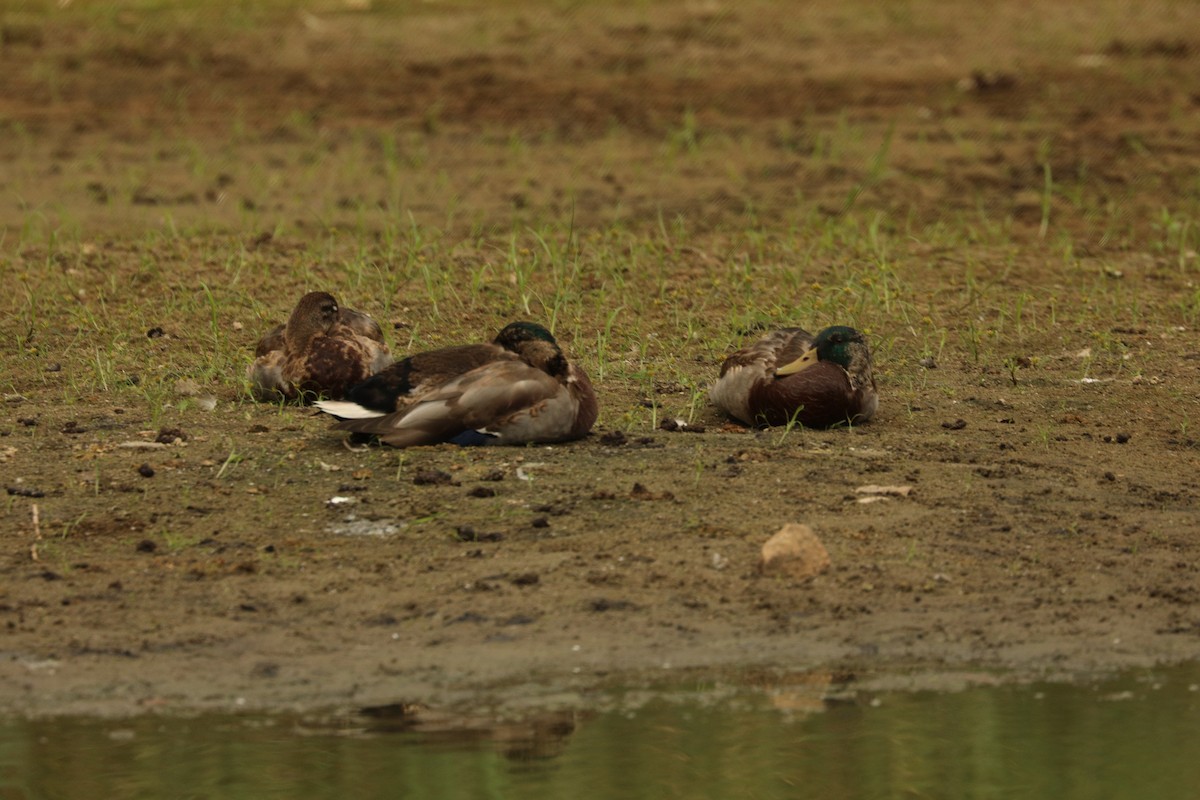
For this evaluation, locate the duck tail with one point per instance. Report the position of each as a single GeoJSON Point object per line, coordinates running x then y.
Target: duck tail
{"type": "Point", "coordinates": [343, 409]}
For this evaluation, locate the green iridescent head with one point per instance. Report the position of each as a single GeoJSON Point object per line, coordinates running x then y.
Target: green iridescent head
{"type": "Point", "coordinates": [516, 333]}
{"type": "Point", "coordinates": [837, 343]}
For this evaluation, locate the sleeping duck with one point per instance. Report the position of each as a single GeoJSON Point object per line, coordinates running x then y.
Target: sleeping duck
{"type": "Point", "coordinates": [323, 350]}
{"type": "Point", "coordinates": [520, 388]}
{"type": "Point", "coordinates": [790, 375]}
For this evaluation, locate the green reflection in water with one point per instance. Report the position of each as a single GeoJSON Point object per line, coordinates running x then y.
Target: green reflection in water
{"type": "Point", "coordinates": [1132, 738]}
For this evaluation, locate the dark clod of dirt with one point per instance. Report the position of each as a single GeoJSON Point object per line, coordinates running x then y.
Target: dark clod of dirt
{"type": "Point", "coordinates": [640, 492]}
{"type": "Point", "coordinates": [1122, 438]}
{"type": "Point", "coordinates": [146, 546]}
{"type": "Point", "coordinates": [433, 477]}
{"type": "Point", "coordinates": [170, 436]}
{"type": "Point", "coordinates": [73, 427]}
{"type": "Point", "coordinates": [146, 471]}
{"type": "Point", "coordinates": [540, 522]}
{"type": "Point", "coordinates": [1162, 48]}
{"type": "Point", "coordinates": [28, 422]}
{"type": "Point", "coordinates": [482, 491]}
{"type": "Point", "coordinates": [24, 491]}
{"type": "Point", "coordinates": [604, 604]}
{"type": "Point", "coordinates": [613, 439]}
{"type": "Point", "coordinates": [465, 533]}
{"type": "Point", "coordinates": [493, 475]}
{"type": "Point", "coordinates": [259, 429]}
{"type": "Point", "coordinates": [957, 425]}
{"type": "Point", "coordinates": [1109, 476]}
{"type": "Point", "coordinates": [525, 579]}
{"type": "Point", "coordinates": [154, 333]}
{"type": "Point", "coordinates": [98, 192]}
{"type": "Point", "coordinates": [264, 669]}
{"type": "Point", "coordinates": [49, 575]}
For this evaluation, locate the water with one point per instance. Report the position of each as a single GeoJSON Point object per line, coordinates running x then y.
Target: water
{"type": "Point", "coordinates": [1135, 737]}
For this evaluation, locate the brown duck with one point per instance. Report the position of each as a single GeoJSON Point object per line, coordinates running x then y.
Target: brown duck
{"type": "Point", "coordinates": [789, 375]}
{"type": "Point", "coordinates": [519, 388]}
{"type": "Point", "coordinates": [322, 351]}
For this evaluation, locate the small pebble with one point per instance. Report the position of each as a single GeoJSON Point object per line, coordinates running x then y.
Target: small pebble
{"type": "Point", "coordinates": [146, 471]}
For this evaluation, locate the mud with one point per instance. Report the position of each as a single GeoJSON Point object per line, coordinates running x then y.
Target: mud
{"type": "Point", "coordinates": [173, 180]}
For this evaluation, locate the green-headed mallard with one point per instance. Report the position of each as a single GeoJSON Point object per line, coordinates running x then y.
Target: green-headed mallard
{"type": "Point", "coordinates": [323, 350]}
{"type": "Point", "coordinates": [517, 389]}
{"type": "Point", "coordinates": [790, 375]}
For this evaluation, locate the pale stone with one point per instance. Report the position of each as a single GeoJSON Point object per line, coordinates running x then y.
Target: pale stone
{"type": "Point", "coordinates": [795, 552]}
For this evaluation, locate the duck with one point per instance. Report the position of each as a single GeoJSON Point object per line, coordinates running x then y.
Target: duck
{"type": "Point", "coordinates": [321, 351]}
{"type": "Point", "coordinates": [517, 389]}
{"type": "Point", "coordinates": [790, 376]}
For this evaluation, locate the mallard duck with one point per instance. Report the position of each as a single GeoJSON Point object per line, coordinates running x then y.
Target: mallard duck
{"type": "Point", "coordinates": [790, 375]}
{"type": "Point", "coordinates": [515, 390]}
{"type": "Point", "coordinates": [322, 350]}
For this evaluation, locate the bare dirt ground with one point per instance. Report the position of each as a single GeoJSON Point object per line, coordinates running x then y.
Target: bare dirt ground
{"type": "Point", "coordinates": [1005, 200]}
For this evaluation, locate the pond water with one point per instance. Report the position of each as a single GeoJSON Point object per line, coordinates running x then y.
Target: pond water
{"type": "Point", "coordinates": [1132, 737]}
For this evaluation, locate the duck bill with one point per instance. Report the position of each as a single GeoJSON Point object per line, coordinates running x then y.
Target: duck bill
{"type": "Point", "coordinates": [802, 363]}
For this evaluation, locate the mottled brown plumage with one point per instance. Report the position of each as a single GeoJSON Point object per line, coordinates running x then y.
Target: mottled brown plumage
{"type": "Point", "coordinates": [322, 351]}
{"type": "Point", "coordinates": [791, 375]}
{"type": "Point", "coordinates": [518, 389]}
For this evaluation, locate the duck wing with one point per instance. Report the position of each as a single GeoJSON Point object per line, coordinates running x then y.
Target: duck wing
{"type": "Point", "coordinates": [397, 386]}
{"type": "Point", "coordinates": [755, 364]}
{"type": "Point", "coordinates": [271, 340]}
{"type": "Point", "coordinates": [330, 365]}
{"type": "Point", "coordinates": [361, 324]}
{"type": "Point", "coordinates": [490, 400]}
{"type": "Point", "coordinates": [265, 374]}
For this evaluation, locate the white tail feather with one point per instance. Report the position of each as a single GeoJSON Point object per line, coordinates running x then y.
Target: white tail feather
{"type": "Point", "coordinates": [343, 409]}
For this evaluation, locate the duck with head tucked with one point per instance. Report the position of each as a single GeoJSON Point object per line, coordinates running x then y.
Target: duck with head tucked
{"type": "Point", "coordinates": [322, 351]}
{"type": "Point", "coordinates": [518, 389]}
{"type": "Point", "coordinates": [791, 376]}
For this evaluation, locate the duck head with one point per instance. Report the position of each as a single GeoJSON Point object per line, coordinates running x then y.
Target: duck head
{"type": "Point", "coordinates": [839, 344]}
{"type": "Point", "coordinates": [315, 314]}
{"type": "Point", "coordinates": [535, 345]}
